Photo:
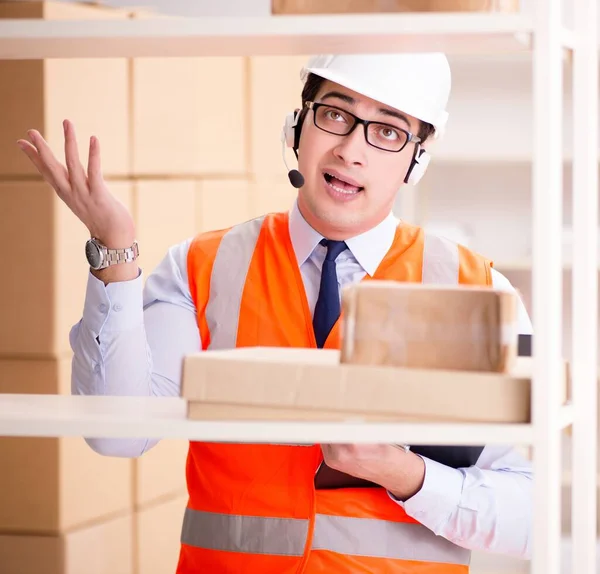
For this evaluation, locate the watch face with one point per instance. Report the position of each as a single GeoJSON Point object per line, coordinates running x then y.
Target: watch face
{"type": "Point", "coordinates": [93, 255]}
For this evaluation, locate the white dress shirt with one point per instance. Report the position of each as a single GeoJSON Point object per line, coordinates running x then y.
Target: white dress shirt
{"type": "Point", "coordinates": [132, 338]}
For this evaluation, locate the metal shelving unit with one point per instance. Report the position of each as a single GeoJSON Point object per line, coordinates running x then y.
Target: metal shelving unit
{"type": "Point", "coordinates": [544, 36]}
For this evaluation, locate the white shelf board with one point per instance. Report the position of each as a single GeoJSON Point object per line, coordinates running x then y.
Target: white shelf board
{"type": "Point", "coordinates": [453, 33]}
{"type": "Point", "coordinates": [524, 265]}
{"type": "Point", "coordinates": [150, 417]}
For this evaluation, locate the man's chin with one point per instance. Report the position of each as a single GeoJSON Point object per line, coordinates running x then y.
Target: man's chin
{"type": "Point", "coordinates": [339, 219]}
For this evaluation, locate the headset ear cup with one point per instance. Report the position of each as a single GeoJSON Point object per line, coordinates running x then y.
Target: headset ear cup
{"type": "Point", "coordinates": [418, 167]}
{"type": "Point", "coordinates": [298, 130]}
{"type": "Point", "coordinates": [288, 129]}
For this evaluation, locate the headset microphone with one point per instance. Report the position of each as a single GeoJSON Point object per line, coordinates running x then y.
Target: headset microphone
{"type": "Point", "coordinates": [296, 178]}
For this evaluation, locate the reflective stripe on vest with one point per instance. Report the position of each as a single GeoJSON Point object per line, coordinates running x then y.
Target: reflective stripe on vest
{"type": "Point", "coordinates": [250, 534]}
{"type": "Point", "coordinates": [384, 539]}
{"type": "Point", "coordinates": [440, 260]}
{"type": "Point", "coordinates": [227, 281]}
{"type": "Point", "coordinates": [340, 534]}
{"type": "Point", "coordinates": [232, 261]}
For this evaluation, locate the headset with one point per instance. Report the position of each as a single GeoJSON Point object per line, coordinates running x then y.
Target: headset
{"type": "Point", "coordinates": [290, 137]}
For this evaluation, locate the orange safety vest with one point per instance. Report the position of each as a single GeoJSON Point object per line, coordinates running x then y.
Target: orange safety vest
{"type": "Point", "coordinates": [253, 507]}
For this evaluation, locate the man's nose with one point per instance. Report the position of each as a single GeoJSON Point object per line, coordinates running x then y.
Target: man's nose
{"type": "Point", "coordinates": [352, 148]}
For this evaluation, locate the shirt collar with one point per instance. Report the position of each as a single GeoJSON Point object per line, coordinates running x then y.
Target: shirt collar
{"type": "Point", "coordinates": [368, 248]}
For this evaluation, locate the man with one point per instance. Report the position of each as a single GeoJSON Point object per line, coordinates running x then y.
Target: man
{"type": "Point", "coordinates": [359, 135]}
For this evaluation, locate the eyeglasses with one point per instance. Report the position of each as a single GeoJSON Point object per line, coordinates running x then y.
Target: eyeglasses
{"type": "Point", "coordinates": [334, 120]}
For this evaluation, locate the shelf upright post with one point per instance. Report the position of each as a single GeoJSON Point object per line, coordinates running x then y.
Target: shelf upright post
{"type": "Point", "coordinates": [547, 283]}
{"type": "Point", "coordinates": [585, 287]}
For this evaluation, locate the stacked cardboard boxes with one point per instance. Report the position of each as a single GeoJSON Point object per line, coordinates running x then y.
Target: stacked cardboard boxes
{"type": "Point", "coordinates": [101, 548]}
{"type": "Point", "coordinates": [61, 505]}
{"type": "Point", "coordinates": [63, 508]}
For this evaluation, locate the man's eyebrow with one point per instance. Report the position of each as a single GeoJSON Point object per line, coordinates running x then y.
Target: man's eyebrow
{"type": "Point", "coordinates": [394, 114]}
{"type": "Point", "coordinates": [350, 100]}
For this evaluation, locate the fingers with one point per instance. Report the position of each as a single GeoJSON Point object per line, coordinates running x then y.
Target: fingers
{"type": "Point", "coordinates": [32, 153]}
{"type": "Point", "coordinates": [40, 154]}
{"type": "Point", "coordinates": [64, 179]}
{"type": "Point", "coordinates": [94, 166]}
{"type": "Point", "coordinates": [77, 175]}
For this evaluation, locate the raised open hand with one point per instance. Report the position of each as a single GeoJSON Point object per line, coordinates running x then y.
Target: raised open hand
{"type": "Point", "coordinates": [86, 194]}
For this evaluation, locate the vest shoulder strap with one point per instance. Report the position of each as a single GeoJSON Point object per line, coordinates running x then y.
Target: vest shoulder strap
{"type": "Point", "coordinates": [447, 262]}
{"type": "Point", "coordinates": [218, 263]}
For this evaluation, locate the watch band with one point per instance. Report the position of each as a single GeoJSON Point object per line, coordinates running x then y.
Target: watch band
{"type": "Point", "coordinates": [116, 256]}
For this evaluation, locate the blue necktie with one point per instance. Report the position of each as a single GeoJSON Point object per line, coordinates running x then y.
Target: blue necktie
{"type": "Point", "coordinates": [327, 309]}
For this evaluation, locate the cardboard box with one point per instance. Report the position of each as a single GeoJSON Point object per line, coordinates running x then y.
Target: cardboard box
{"type": "Point", "coordinates": [222, 203]}
{"type": "Point", "coordinates": [160, 473]}
{"type": "Point", "coordinates": [189, 116]}
{"type": "Point", "coordinates": [43, 253]}
{"type": "Point", "coordinates": [165, 214]}
{"type": "Point", "coordinates": [44, 249]}
{"type": "Point", "coordinates": [311, 384]}
{"type": "Point", "coordinates": [55, 485]}
{"type": "Point", "coordinates": [270, 102]}
{"type": "Point", "coordinates": [360, 6]}
{"type": "Point", "coordinates": [269, 195]}
{"type": "Point", "coordinates": [40, 94]}
{"type": "Point", "coordinates": [464, 328]}
{"type": "Point", "coordinates": [158, 531]}
{"type": "Point", "coordinates": [104, 548]}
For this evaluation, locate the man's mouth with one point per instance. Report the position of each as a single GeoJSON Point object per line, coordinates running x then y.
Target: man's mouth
{"type": "Point", "coordinates": [340, 185]}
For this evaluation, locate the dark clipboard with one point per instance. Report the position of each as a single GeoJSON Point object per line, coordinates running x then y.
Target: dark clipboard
{"type": "Point", "coordinates": [452, 456]}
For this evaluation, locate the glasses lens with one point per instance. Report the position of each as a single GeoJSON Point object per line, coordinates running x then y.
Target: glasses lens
{"type": "Point", "coordinates": [386, 137]}
{"type": "Point", "coordinates": [333, 120]}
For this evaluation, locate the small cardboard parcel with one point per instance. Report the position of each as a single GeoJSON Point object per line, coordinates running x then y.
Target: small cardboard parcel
{"type": "Point", "coordinates": [409, 352]}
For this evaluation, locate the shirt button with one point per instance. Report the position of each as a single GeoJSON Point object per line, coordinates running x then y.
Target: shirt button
{"type": "Point", "coordinates": [97, 369]}
{"type": "Point", "coordinates": [117, 307]}
{"type": "Point", "coordinates": [102, 308]}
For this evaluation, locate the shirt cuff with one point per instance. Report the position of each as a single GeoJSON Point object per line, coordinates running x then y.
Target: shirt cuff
{"type": "Point", "coordinates": [114, 307]}
{"type": "Point", "coordinates": [438, 498]}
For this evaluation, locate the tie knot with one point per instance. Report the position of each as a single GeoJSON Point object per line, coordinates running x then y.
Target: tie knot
{"type": "Point", "coordinates": [334, 248]}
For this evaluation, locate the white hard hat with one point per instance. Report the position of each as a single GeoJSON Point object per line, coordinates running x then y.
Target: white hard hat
{"type": "Point", "coordinates": [416, 84]}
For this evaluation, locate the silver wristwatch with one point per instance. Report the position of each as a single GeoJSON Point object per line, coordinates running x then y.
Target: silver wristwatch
{"type": "Point", "coordinates": [100, 257]}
